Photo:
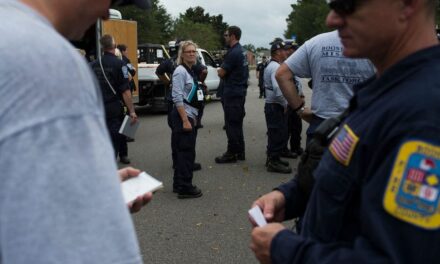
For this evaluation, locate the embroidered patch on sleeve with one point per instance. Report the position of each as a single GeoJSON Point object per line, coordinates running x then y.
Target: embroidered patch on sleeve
{"type": "Point", "coordinates": [343, 145]}
{"type": "Point", "coordinates": [412, 193]}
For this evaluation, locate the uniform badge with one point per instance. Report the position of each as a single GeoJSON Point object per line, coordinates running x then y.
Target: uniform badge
{"type": "Point", "coordinates": [343, 145]}
{"type": "Point", "coordinates": [125, 71]}
{"type": "Point", "coordinates": [412, 193]}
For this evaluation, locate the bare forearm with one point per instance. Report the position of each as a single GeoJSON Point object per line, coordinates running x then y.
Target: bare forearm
{"type": "Point", "coordinates": [165, 79]}
{"type": "Point", "coordinates": [182, 113]}
{"type": "Point", "coordinates": [128, 101]}
{"type": "Point", "coordinates": [284, 78]}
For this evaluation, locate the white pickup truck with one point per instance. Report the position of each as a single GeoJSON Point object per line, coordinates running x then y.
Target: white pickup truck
{"type": "Point", "coordinates": [152, 92]}
{"type": "Point", "coordinates": [212, 80]}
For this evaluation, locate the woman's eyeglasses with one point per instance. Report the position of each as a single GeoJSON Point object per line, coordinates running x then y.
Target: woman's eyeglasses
{"type": "Point", "coordinates": [190, 51]}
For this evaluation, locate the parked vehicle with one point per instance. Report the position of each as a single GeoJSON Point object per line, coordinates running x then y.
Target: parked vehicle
{"type": "Point", "coordinates": [212, 80]}
{"type": "Point", "coordinates": [152, 92]}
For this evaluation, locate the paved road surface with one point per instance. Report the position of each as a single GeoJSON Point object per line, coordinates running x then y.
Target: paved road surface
{"type": "Point", "coordinates": [214, 228]}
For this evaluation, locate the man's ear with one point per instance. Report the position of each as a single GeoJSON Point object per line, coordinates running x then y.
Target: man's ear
{"type": "Point", "coordinates": [409, 7]}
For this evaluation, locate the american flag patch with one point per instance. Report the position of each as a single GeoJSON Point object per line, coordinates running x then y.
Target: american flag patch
{"type": "Point", "coordinates": [343, 145]}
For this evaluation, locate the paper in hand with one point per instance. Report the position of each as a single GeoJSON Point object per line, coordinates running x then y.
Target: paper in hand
{"type": "Point", "coordinates": [257, 216]}
{"type": "Point", "coordinates": [136, 186]}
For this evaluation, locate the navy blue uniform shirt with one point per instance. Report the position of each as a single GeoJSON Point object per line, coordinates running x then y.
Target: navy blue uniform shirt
{"type": "Point", "coordinates": [237, 72]}
{"type": "Point", "coordinates": [376, 193]}
{"type": "Point", "coordinates": [116, 72]}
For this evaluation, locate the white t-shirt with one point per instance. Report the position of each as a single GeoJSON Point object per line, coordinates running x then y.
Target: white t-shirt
{"type": "Point", "coordinates": [60, 196]}
{"type": "Point", "coordinates": [333, 75]}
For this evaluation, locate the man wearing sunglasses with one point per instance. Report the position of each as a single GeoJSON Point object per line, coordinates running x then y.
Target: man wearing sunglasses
{"type": "Point", "coordinates": [60, 195]}
{"type": "Point", "coordinates": [376, 196]}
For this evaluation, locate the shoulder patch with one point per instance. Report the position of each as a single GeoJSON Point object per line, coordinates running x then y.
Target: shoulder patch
{"type": "Point", "coordinates": [343, 145]}
{"type": "Point", "coordinates": [412, 193]}
{"type": "Point", "coordinates": [125, 71]}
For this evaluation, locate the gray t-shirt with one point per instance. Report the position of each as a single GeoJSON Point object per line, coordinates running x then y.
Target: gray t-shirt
{"type": "Point", "coordinates": [182, 85]}
{"type": "Point", "coordinates": [60, 196]}
{"type": "Point", "coordinates": [273, 91]}
{"type": "Point", "coordinates": [333, 75]}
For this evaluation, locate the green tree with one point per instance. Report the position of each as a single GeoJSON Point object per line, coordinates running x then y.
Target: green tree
{"type": "Point", "coordinates": [197, 15]}
{"type": "Point", "coordinates": [307, 19]}
{"type": "Point", "coordinates": [154, 26]}
{"type": "Point", "coordinates": [203, 34]}
{"type": "Point", "coordinates": [437, 18]}
{"type": "Point", "coordinates": [250, 47]}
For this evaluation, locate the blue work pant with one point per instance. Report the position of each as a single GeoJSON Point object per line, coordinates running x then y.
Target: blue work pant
{"type": "Point", "coordinates": [184, 145]}
{"type": "Point", "coordinates": [277, 134]}
{"type": "Point", "coordinates": [234, 115]}
{"type": "Point", "coordinates": [113, 126]}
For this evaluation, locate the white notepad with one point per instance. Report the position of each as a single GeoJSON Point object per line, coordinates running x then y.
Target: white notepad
{"type": "Point", "coordinates": [127, 128]}
{"type": "Point", "coordinates": [257, 216]}
{"type": "Point", "coordinates": [139, 185]}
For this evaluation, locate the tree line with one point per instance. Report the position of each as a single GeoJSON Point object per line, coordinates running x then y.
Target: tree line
{"type": "Point", "coordinates": [306, 20]}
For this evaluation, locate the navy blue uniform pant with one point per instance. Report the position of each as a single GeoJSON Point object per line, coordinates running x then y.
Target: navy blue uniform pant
{"type": "Point", "coordinates": [234, 115]}
{"type": "Point", "coordinates": [314, 124]}
{"type": "Point", "coordinates": [294, 125]}
{"type": "Point", "coordinates": [184, 145]}
{"type": "Point", "coordinates": [113, 126]}
{"type": "Point", "coordinates": [277, 134]}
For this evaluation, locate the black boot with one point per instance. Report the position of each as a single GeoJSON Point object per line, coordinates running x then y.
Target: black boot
{"type": "Point", "coordinates": [193, 192]}
{"type": "Point", "coordinates": [275, 165]}
{"type": "Point", "coordinates": [227, 157]}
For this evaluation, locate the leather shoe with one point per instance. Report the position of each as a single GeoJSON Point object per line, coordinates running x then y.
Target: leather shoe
{"type": "Point", "coordinates": [285, 163]}
{"type": "Point", "coordinates": [227, 157]}
{"type": "Point", "coordinates": [197, 166]}
{"type": "Point", "coordinates": [124, 160]}
{"type": "Point", "coordinates": [240, 156]}
{"type": "Point", "coordinates": [289, 155]}
{"type": "Point", "coordinates": [298, 151]}
{"type": "Point", "coordinates": [277, 166]}
{"type": "Point", "coordinates": [194, 192]}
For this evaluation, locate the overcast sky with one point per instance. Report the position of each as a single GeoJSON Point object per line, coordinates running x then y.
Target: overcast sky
{"type": "Point", "coordinates": [260, 20]}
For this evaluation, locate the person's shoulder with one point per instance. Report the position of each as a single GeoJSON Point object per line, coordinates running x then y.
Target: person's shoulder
{"type": "Point", "coordinates": [180, 69]}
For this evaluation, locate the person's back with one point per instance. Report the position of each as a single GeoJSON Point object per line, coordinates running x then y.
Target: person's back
{"type": "Point", "coordinates": [60, 201]}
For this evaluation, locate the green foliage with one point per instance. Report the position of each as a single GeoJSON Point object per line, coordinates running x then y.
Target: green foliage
{"type": "Point", "coordinates": [154, 26]}
{"type": "Point", "coordinates": [307, 19]}
{"type": "Point", "coordinates": [250, 47]}
{"type": "Point", "coordinates": [437, 16]}
{"type": "Point", "coordinates": [197, 19]}
{"type": "Point", "coordinates": [202, 34]}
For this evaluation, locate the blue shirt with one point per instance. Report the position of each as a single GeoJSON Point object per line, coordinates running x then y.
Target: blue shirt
{"type": "Point", "coordinates": [237, 72]}
{"type": "Point", "coordinates": [376, 192]}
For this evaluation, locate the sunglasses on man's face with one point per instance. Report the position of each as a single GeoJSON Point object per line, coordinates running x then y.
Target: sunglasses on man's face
{"type": "Point", "coordinates": [343, 7]}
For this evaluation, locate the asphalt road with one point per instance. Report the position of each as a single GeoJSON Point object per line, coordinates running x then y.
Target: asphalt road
{"type": "Point", "coordinates": [214, 228]}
